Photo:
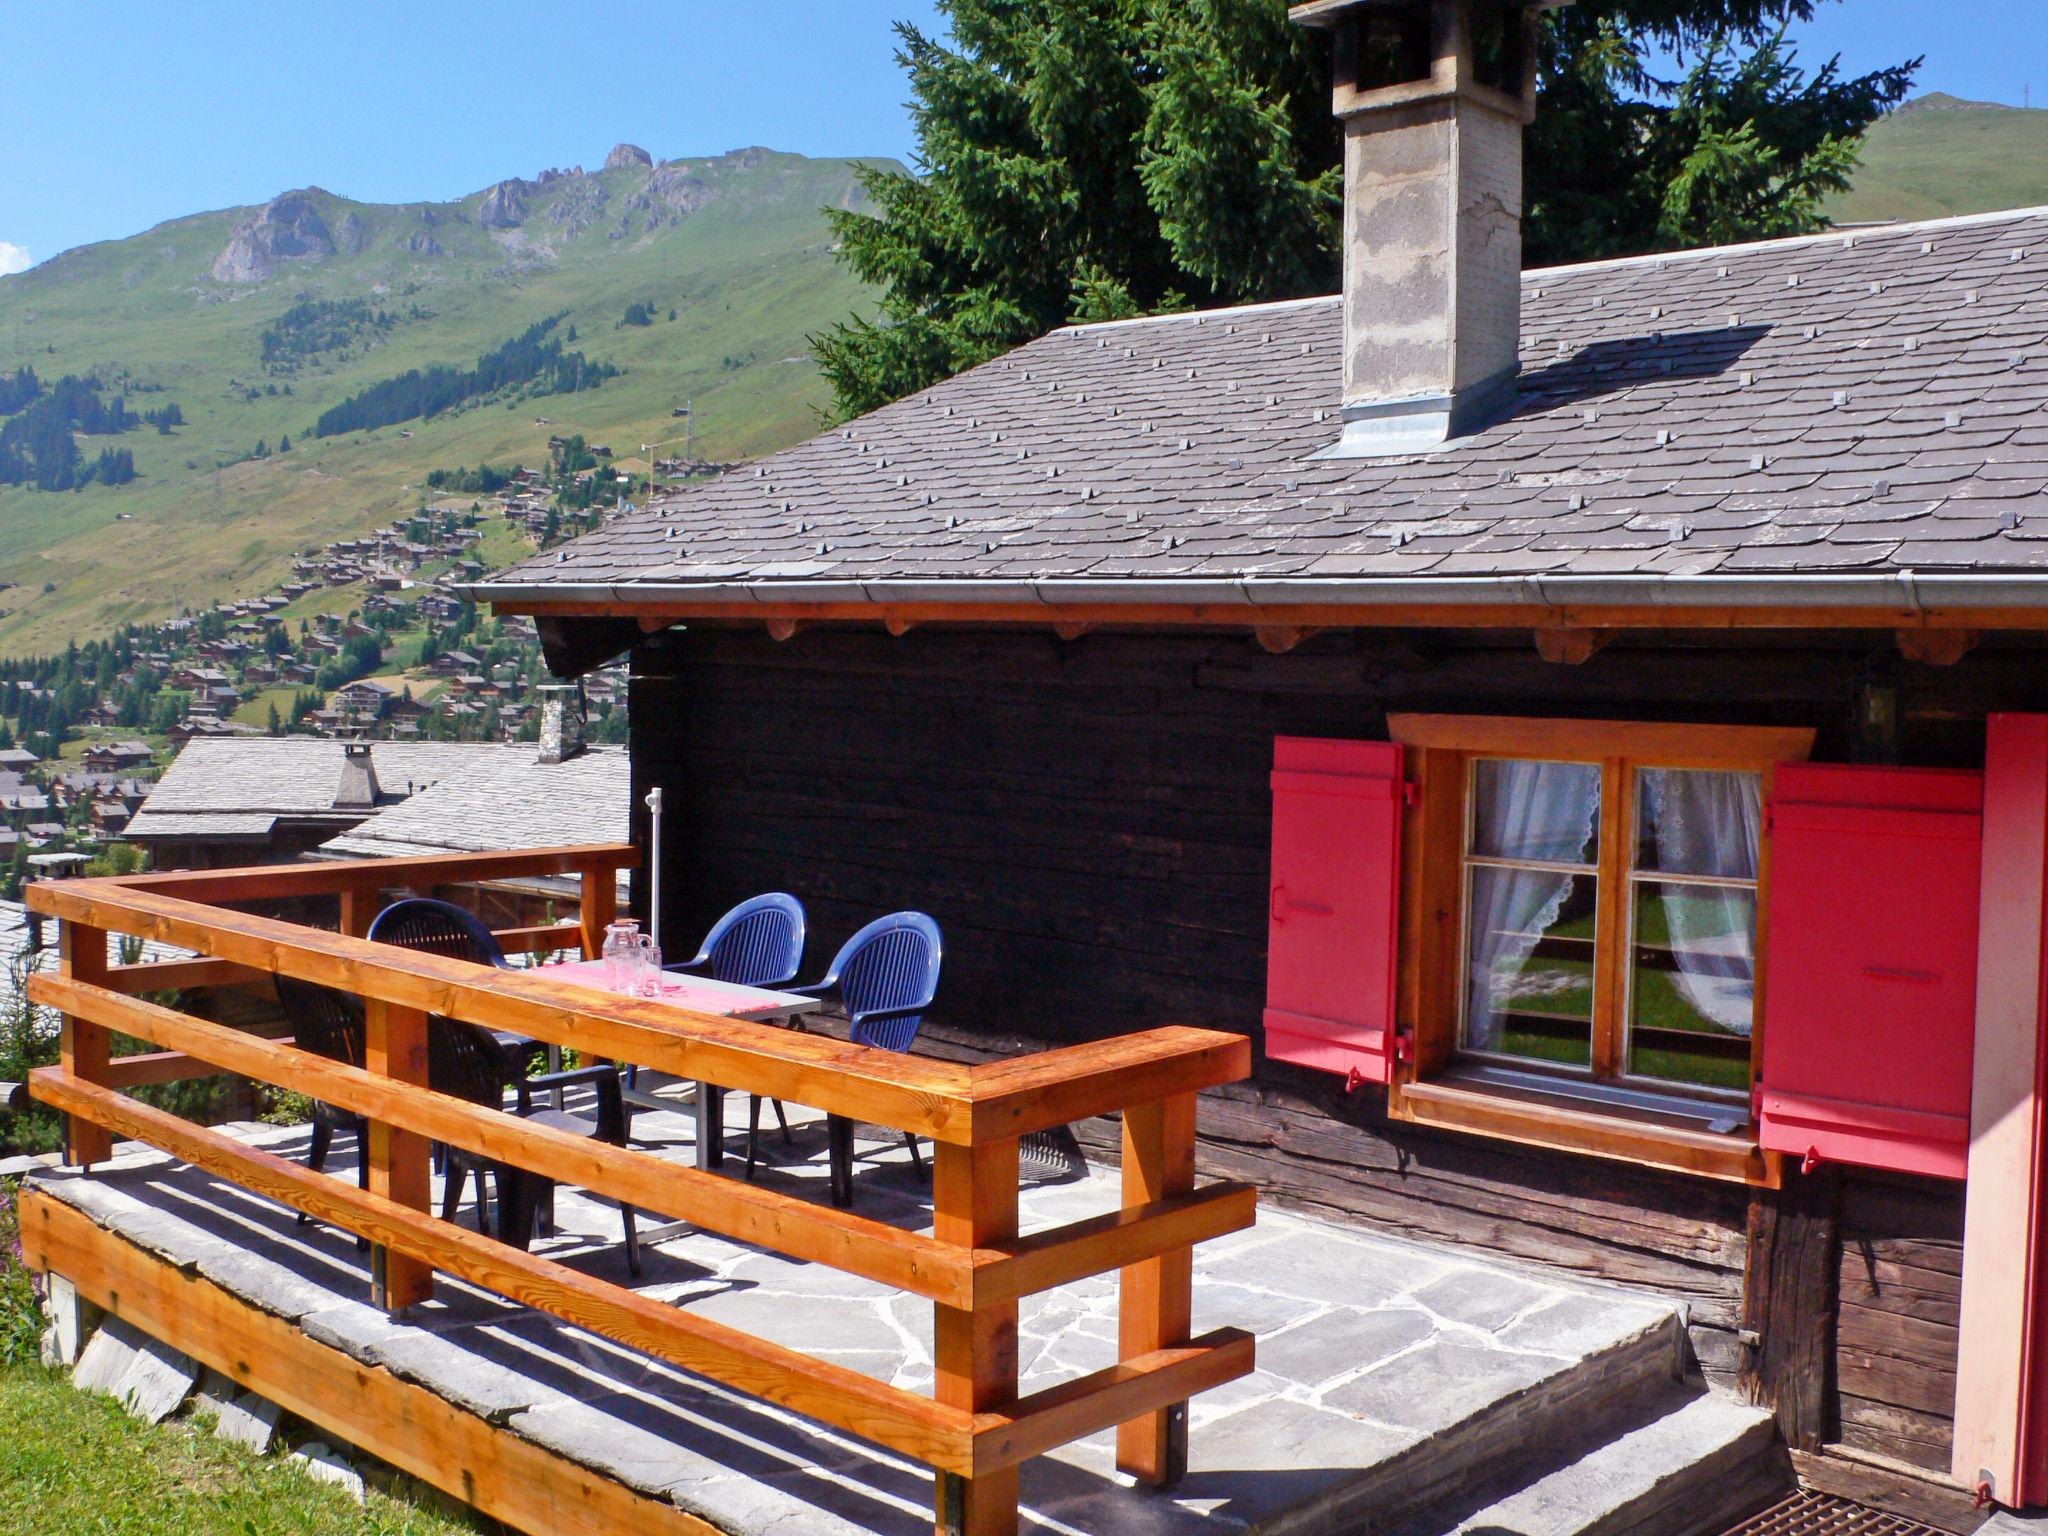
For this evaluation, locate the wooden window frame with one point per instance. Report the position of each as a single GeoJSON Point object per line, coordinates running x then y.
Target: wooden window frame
{"type": "Point", "coordinates": [1429, 1005]}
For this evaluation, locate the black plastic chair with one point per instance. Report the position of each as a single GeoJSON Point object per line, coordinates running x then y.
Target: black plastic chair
{"type": "Point", "coordinates": [442, 928]}
{"type": "Point", "coordinates": [759, 943]}
{"type": "Point", "coordinates": [328, 1023]}
{"type": "Point", "coordinates": [886, 976]}
{"type": "Point", "coordinates": [465, 1061]}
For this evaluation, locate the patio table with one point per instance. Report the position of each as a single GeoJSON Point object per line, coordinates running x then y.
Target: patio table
{"type": "Point", "coordinates": [704, 995]}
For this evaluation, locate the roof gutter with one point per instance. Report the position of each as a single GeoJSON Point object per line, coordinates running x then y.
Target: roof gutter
{"type": "Point", "coordinates": [1912, 591]}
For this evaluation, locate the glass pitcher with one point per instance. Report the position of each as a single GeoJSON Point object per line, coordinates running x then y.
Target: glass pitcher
{"type": "Point", "coordinates": [622, 941]}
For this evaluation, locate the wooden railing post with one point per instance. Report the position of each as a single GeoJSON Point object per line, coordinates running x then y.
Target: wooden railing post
{"type": "Point", "coordinates": [974, 1355]}
{"type": "Point", "coordinates": [359, 904]}
{"type": "Point", "coordinates": [599, 908]}
{"type": "Point", "coordinates": [1156, 1305]}
{"type": "Point", "coordinates": [395, 1046]}
{"type": "Point", "coordinates": [86, 1047]}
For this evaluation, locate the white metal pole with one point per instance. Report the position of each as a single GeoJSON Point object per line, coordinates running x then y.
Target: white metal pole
{"type": "Point", "coordinates": [654, 864]}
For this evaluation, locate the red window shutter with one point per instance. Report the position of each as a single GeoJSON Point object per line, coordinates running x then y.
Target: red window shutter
{"type": "Point", "coordinates": [1871, 966]}
{"type": "Point", "coordinates": [1333, 905]}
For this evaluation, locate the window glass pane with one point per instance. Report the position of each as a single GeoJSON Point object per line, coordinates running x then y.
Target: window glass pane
{"type": "Point", "coordinates": [1692, 821]}
{"type": "Point", "coordinates": [1547, 813]}
{"type": "Point", "coordinates": [1529, 964]}
{"type": "Point", "coordinates": [1692, 989]}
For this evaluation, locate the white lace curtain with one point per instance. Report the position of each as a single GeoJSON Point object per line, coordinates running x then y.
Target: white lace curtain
{"type": "Point", "coordinates": [1541, 812]}
{"type": "Point", "coordinates": [1702, 823]}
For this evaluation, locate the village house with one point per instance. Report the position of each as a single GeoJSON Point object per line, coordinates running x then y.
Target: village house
{"type": "Point", "coordinates": [1587, 727]}
{"type": "Point", "coordinates": [272, 799]}
{"type": "Point", "coordinates": [117, 756]}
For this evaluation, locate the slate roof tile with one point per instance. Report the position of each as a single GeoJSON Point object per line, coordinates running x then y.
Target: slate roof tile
{"type": "Point", "coordinates": [1866, 400]}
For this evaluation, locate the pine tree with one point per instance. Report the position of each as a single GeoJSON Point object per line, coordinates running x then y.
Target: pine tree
{"type": "Point", "coordinates": [1092, 159]}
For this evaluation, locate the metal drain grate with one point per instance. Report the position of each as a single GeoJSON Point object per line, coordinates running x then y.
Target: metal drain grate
{"type": "Point", "coordinates": [1816, 1514]}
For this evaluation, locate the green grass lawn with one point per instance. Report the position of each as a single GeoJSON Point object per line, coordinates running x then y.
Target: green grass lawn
{"type": "Point", "coordinates": [73, 1464]}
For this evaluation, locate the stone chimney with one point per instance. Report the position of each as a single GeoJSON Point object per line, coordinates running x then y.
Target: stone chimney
{"type": "Point", "coordinates": [1433, 95]}
{"type": "Point", "coordinates": [358, 790]}
{"type": "Point", "coordinates": [561, 721]}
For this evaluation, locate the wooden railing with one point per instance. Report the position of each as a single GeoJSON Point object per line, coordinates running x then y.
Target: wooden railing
{"type": "Point", "coordinates": [974, 1430]}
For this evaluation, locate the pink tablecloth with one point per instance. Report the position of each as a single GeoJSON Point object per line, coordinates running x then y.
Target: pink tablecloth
{"type": "Point", "coordinates": [697, 992]}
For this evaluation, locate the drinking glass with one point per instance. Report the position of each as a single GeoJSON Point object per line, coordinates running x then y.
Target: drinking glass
{"type": "Point", "coordinates": [648, 979]}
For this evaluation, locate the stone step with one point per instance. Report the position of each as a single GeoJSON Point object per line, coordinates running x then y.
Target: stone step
{"type": "Point", "coordinates": [1693, 1462]}
{"type": "Point", "coordinates": [1499, 1429]}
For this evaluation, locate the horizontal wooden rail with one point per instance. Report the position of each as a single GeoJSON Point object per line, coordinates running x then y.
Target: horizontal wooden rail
{"type": "Point", "coordinates": [157, 1067]}
{"type": "Point", "coordinates": [182, 975]}
{"type": "Point", "coordinates": [943, 1100]}
{"type": "Point", "coordinates": [874, 1250]}
{"type": "Point", "coordinates": [540, 938]}
{"type": "Point", "coordinates": [913, 1424]}
{"type": "Point", "coordinates": [332, 877]}
{"type": "Point", "coordinates": [1088, 1404]}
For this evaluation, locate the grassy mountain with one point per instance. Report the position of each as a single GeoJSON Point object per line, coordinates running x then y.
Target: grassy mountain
{"type": "Point", "coordinates": [1940, 155]}
{"type": "Point", "coordinates": [256, 321]}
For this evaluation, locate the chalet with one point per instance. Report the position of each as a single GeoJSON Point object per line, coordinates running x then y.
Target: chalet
{"type": "Point", "coordinates": [364, 697]}
{"type": "Point", "coordinates": [259, 673]}
{"type": "Point", "coordinates": [1588, 727]}
{"type": "Point", "coordinates": [456, 661]}
{"type": "Point", "coordinates": [194, 679]}
{"type": "Point", "coordinates": [118, 756]}
{"type": "Point", "coordinates": [17, 759]}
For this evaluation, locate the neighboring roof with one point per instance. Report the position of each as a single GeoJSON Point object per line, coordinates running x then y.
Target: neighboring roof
{"type": "Point", "coordinates": [1855, 418]}
{"type": "Point", "coordinates": [239, 787]}
{"type": "Point", "coordinates": [510, 800]}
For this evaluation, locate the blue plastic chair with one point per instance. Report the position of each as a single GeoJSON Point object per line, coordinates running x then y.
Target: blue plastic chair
{"type": "Point", "coordinates": [759, 943]}
{"type": "Point", "coordinates": [886, 977]}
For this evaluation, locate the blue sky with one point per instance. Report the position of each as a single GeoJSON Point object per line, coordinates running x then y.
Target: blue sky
{"type": "Point", "coordinates": [115, 115]}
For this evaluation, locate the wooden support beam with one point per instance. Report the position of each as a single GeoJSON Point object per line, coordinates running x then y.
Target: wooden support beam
{"type": "Point", "coordinates": [1788, 1303]}
{"type": "Point", "coordinates": [85, 1047]}
{"type": "Point", "coordinates": [1569, 647]}
{"type": "Point", "coordinates": [1279, 639]}
{"type": "Point", "coordinates": [490, 1468]}
{"type": "Point", "coordinates": [898, 625]}
{"type": "Point", "coordinates": [785, 629]}
{"type": "Point", "coordinates": [1073, 629]}
{"type": "Point", "coordinates": [974, 1352]}
{"type": "Point", "coordinates": [395, 1046]}
{"type": "Point", "coordinates": [1936, 647]}
{"type": "Point", "coordinates": [1157, 1304]}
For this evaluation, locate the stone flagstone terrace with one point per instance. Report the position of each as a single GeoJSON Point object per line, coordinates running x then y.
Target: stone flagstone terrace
{"type": "Point", "coordinates": [1384, 1366]}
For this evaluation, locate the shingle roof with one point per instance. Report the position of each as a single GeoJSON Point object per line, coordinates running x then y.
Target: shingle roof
{"type": "Point", "coordinates": [1873, 403]}
{"type": "Point", "coordinates": [509, 800]}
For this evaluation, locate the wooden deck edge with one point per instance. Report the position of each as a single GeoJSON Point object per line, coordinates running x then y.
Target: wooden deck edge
{"type": "Point", "coordinates": [491, 1469]}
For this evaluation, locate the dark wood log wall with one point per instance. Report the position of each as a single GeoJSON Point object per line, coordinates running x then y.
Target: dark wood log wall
{"type": "Point", "coordinates": [1900, 1300]}
{"type": "Point", "coordinates": [1089, 823]}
